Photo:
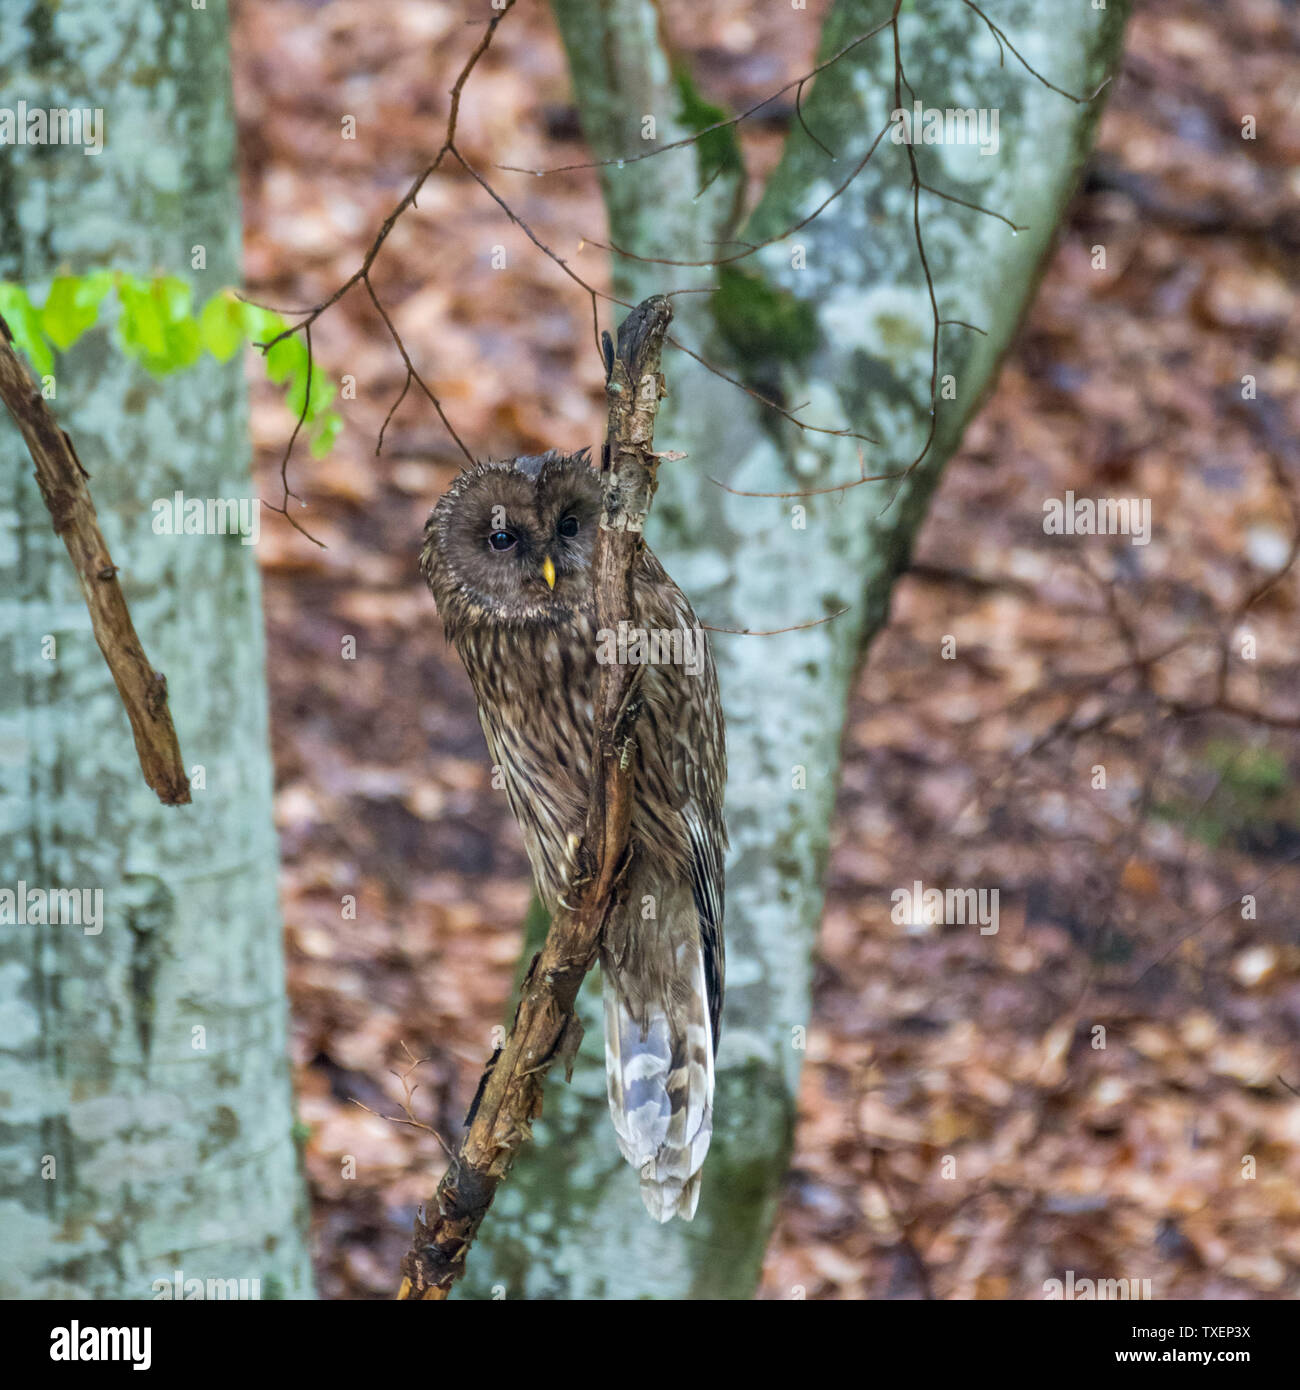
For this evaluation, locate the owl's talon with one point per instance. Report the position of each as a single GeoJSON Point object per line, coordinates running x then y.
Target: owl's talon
{"type": "Point", "coordinates": [573, 872]}
{"type": "Point", "coordinates": [572, 844]}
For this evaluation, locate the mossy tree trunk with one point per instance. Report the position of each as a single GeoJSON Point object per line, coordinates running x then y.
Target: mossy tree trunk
{"type": "Point", "coordinates": [836, 315]}
{"type": "Point", "coordinates": [146, 1120]}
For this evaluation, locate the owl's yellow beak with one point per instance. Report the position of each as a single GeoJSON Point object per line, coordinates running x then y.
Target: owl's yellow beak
{"type": "Point", "coordinates": [548, 572]}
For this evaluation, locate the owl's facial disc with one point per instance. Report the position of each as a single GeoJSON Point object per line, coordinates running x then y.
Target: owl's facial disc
{"type": "Point", "coordinates": [526, 568]}
{"type": "Point", "coordinates": [512, 542]}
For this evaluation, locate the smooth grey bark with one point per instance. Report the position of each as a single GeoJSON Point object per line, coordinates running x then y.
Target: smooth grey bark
{"type": "Point", "coordinates": [146, 1119]}
{"type": "Point", "coordinates": [569, 1223]}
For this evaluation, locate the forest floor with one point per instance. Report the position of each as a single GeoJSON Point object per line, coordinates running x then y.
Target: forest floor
{"type": "Point", "coordinates": [1164, 1146]}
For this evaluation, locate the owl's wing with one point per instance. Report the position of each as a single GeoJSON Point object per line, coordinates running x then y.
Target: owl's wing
{"type": "Point", "coordinates": [690, 740]}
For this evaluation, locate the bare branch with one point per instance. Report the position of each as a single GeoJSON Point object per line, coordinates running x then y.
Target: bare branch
{"type": "Point", "coordinates": [775, 631]}
{"type": "Point", "coordinates": [62, 481]}
{"type": "Point", "coordinates": [412, 374]}
{"type": "Point", "coordinates": [1001, 38]}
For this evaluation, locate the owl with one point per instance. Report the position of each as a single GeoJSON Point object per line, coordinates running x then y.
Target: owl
{"type": "Point", "coordinates": [507, 554]}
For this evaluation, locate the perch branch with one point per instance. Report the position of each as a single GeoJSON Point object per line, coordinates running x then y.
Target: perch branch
{"type": "Point", "coordinates": [545, 1028]}
{"type": "Point", "coordinates": [62, 482]}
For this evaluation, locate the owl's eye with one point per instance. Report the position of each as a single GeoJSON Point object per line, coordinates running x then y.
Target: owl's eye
{"type": "Point", "coordinates": [568, 527]}
{"type": "Point", "coordinates": [501, 540]}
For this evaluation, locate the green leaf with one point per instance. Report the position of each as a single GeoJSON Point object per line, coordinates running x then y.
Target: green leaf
{"type": "Point", "coordinates": [72, 306]}
{"type": "Point", "coordinates": [221, 325]}
{"type": "Point", "coordinates": [142, 325]}
{"type": "Point", "coordinates": [24, 322]}
{"type": "Point", "coordinates": [287, 358]}
{"type": "Point", "coordinates": [322, 392]}
{"type": "Point", "coordinates": [293, 399]}
{"type": "Point", "coordinates": [174, 296]}
{"type": "Point", "coordinates": [261, 325]}
{"type": "Point", "coordinates": [184, 344]}
{"type": "Point", "coordinates": [157, 324]}
{"type": "Point", "coordinates": [328, 431]}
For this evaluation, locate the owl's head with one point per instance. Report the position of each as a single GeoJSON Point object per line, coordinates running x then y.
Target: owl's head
{"type": "Point", "coordinates": [511, 542]}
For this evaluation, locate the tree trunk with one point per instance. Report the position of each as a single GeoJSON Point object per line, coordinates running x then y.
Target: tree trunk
{"type": "Point", "coordinates": [849, 334]}
{"type": "Point", "coordinates": [147, 1113]}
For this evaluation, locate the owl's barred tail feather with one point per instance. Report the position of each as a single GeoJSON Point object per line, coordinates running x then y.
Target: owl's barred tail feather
{"type": "Point", "coordinates": [660, 1084]}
